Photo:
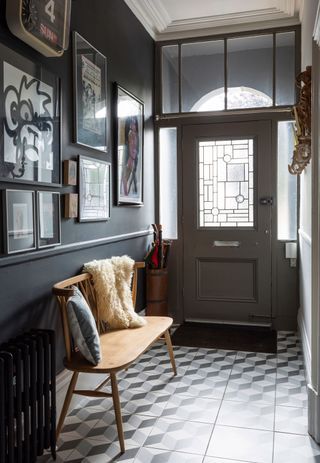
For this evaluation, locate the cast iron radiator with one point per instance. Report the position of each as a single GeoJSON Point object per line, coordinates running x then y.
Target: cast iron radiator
{"type": "Point", "coordinates": [27, 397]}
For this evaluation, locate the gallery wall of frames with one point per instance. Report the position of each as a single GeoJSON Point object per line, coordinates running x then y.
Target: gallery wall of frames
{"type": "Point", "coordinates": [76, 157]}
{"type": "Point", "coordinates": [108, 125]}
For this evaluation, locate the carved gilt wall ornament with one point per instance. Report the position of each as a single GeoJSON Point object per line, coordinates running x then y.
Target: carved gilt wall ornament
{"type": "Point", "coordinates": [302, 115]}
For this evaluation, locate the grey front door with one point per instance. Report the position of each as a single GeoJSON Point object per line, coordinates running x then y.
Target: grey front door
{"type": "Point", "coordinates": [227, 222]}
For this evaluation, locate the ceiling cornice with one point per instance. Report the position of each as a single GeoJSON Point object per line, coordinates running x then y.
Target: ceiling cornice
{"type": "Point", "coordinates": [156, 19]}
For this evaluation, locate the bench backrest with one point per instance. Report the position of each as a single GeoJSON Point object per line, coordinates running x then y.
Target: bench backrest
{"type": "Point", "coordinates": [84, 282]}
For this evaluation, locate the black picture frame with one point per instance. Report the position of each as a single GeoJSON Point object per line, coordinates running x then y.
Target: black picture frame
{"type": "Point", "coordinates": [94, 189]}
{"type": "Point", "coordinates": [30, 122]}
{"type": "Point", "coordinates": [90, 95]}
{"type": "Point", "coordinates": [48, 214]}
{"type": "Point", "coordinates": [130, 167]}
{"type": "Point", "coordinates": [20, 221]}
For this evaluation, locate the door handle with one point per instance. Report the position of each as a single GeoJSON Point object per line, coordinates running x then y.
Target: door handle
{"type": "Point", "coordinates": [226, 244]}
{"type": "Point", "coordinates": [267, 201]}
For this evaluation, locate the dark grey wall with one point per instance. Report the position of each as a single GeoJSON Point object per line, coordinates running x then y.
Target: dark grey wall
{"type": "Point", "coordinates": [26, 281]}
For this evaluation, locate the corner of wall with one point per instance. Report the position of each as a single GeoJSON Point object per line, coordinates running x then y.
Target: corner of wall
{"type": "Point", "coordinates": [306, 348]}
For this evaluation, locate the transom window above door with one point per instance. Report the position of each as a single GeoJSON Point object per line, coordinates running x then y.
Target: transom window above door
{"type": "Point", "coordinates": [250, 71]}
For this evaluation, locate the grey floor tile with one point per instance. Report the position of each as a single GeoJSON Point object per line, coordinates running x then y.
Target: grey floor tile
{"type": "Point", "coordinates": [291, 448]}
{"type": "Point", "coordinates": [221, 460]}
{"type": "Point", "coordinates": [136, 429]}
{"type": "Point", "coordinates": [247, 415]}
{"type": "Point", "coordinates": [241, 444]}
{"type": "Point", "coordinates": [192, 409]}
{"type": "Point", "coordinates": [291, 420]}
{"type": "Point", "coordinates": [186, 436]}
{"type": "Point", "coordinates": [150, 455]}
{"type": "Point", "coordinates": [292, 394]}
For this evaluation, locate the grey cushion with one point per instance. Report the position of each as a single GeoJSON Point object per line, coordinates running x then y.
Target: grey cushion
{"type": "Point", "coordinates": [83, 327]}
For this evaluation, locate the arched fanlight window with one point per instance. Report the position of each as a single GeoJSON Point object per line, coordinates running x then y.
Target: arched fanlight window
{"type": "Point", "coordinates": [238, 98]}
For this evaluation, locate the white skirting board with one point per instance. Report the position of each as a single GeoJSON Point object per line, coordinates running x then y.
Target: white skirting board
{"type": "Point", "coordinates": [305, 345]}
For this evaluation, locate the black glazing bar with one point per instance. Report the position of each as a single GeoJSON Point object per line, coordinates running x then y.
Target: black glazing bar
{"type": "Point", "coordinates": [274, 74]}
{"type": "Point", "coordinates": [225, 73]}
{"type": "Point", "coordinates": [39, 384]}
{"type": "Point", "coordinates": [9, 412]}
{"type": "Point", "coordinates": [2, 411]}
{"type": "Point", "coordinates": [180, 77]}
{"type": "Point", "coordinates": [25, 399]}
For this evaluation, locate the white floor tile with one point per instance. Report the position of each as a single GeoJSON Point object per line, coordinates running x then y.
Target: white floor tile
{"type": "Point", "coordinates": [291, 448]}
{"type": "Point", "coordinates": [241, 444]}
{"type": "Point", "coordinates": [247, 415]}
{"type": "Point", "coordinates": [291, 420]}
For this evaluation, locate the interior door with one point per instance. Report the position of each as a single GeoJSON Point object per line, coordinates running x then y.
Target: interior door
{"type": "Point", "coordinates": [227, 222]}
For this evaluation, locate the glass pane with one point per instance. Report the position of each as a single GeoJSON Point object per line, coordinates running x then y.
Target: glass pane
{"type": "Point", "coordinates": [170, 79]}
{"type": "Point", "coordinates": [168, 182]}
{"type": "Point", "coordinates": [250, 72]}
{"type": "Point", "coordinates": [285, 68]}
{"type": "Point", "coordinates": [202, 91]}
{"type": "Point", "coordinates": [226, 183]}
{"type": "Point", "coordinates": [287, 184]}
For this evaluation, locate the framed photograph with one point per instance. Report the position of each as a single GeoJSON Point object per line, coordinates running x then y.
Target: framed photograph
{"type": "Point", "coordinates": [30, 121]}
{"type": "Point", "coordinates": [71, 206]}
{"type": "Point", "coordinates": [20, 221]}
{"type": "Point", "coordinates": [49, 233]}
{"type": "Point", "coordinates": [70, 169]}
{"type": "Point", "coordinates": [90, 95]}
{"type": "Point", "coordinates": [94, 189]}
{"type": "Point", "coordinates": [130, 128]}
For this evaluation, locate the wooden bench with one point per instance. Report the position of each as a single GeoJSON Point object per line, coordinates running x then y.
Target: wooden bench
{"type": "Point", "coordinates": [120, 348]}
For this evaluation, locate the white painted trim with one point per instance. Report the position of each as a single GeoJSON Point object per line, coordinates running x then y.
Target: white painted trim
{"type": "Point", "coordinates": [305, 237]}
{"type": "Point", "coordinates": [306, 346]}
{"type": "Point", "coordinates": [158, 23]}
{"type": "Point", "coordinates": [228, 29]}
{"type": "Point", "coordinates": [316, 30]}
{"type": "Point", "coordinates": [287, 6]}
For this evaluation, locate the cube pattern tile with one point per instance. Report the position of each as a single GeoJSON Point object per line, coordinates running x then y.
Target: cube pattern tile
{"type": "Point", "coordinates": [222, 407]}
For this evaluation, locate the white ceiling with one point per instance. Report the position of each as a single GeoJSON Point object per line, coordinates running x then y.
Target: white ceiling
{"type": "Point", "coordinates": [172, 19]}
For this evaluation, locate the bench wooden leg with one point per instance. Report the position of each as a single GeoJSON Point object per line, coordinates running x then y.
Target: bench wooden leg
{"type": "Point", "coordinates": [66, 403]}
{"type": "Point", "coordinates": [170, 350]}
{"type": "Point", "coordinates": [117, 409]}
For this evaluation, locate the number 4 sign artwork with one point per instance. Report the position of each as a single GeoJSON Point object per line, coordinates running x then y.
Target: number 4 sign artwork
{"type": "Point", "coordinates": [42, 24]}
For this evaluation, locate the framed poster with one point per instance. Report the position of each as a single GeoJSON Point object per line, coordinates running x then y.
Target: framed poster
{"type": "Point", "coordinates": [20, 221]}
{"type": "Point", "coordinates": [30, 121]}
{"type": "Point", "coordinates": [48, 212]}
{"type": "Point", "coordinates": [90, 98]}
{"type": "Point", "coordinates": [130, 128]}
{"type": "Point", "coordinates": [94, 189]}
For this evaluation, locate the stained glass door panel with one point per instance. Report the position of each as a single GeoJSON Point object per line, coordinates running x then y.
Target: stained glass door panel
{"type": "Point", "coordinates": [226, 183]}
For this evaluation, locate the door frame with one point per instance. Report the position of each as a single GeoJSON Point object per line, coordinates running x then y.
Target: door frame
{"type": "Point", "coordinates": [277, 247]}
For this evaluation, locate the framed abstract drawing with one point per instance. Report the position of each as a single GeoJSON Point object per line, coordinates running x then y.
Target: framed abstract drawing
{"type": "Point", "coordinates": [130, 133]}
{"type": "Point", "coordinates": [94, 189]}
{"type": "Point", "coordinates": [29, 121]}
{"type": "Point", "coordinates": [20, 230]}
{"type": "Point", "coordinates": [90, 95]}
{"type": "Point", "coordinates": [48, 213]}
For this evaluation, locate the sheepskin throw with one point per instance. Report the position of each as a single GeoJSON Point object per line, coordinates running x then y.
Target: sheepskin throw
{"type": "Point", "coordinates": [112, 282]}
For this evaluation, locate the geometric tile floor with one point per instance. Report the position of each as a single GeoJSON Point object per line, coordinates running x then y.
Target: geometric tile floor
{"type": "Point", "coordinates": [223, 407]}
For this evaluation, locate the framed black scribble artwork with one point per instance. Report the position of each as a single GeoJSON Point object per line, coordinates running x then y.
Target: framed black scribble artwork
{"type": "Point", "coordinates": [30, 121]}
